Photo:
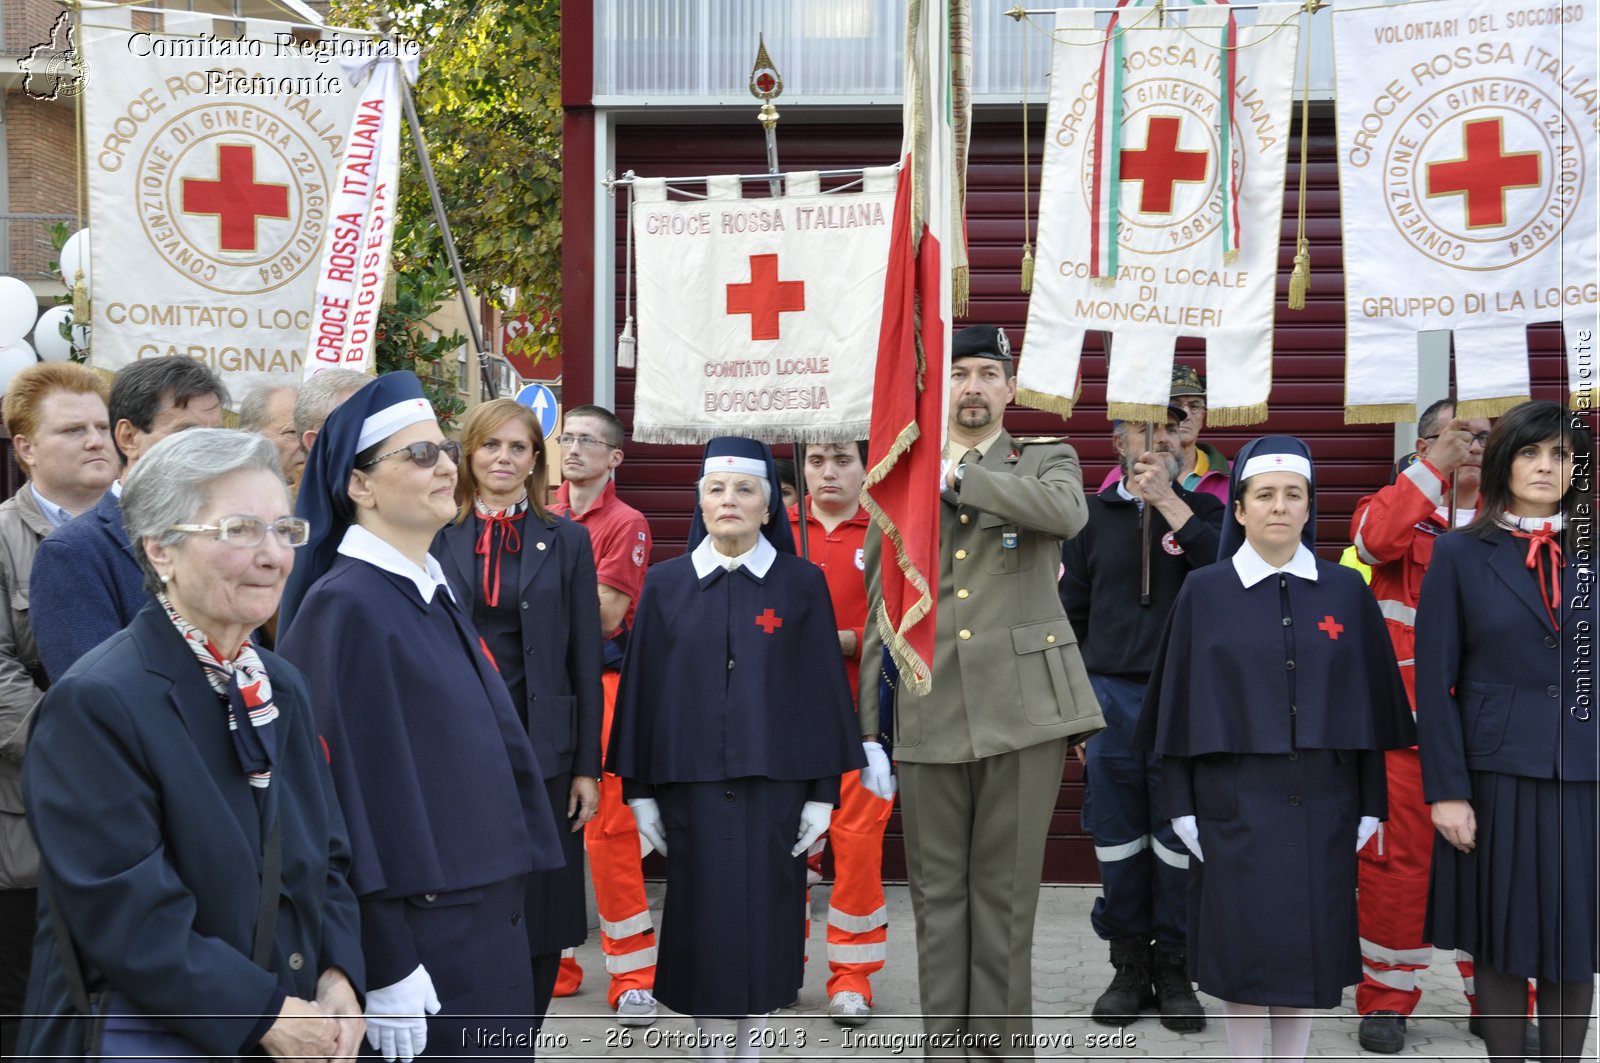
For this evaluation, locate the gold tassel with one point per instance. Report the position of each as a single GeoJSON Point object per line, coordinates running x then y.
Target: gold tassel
{"type": "Point", "coordinates": [1043, 400]}
{"type": "Point", "coordinates": [1300, 279]}
{"type": "Point", "coordinates": [1381, 413]}
{"type": "Point", "coordinates": [1027, 268]}
{"type": "Point", "coordinates": [960, 290]}
{"type": "Point", "coordinates": [1472, 409]}
{"type": "Point", "coordinates": [1236, 416]}
{"type": "Point", "coordinates": [80, 299]}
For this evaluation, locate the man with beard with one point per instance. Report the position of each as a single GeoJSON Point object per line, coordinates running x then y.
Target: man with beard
{"type": "Point", "coordinates": [1394, 531]}
{"type": "Point", "coordinates": [1143, 864]}
{"type": "Point", "coordinates": [981, 752]}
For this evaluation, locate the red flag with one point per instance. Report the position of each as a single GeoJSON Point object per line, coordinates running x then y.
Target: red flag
{"type": "Point", "coordinates": [908, 411]}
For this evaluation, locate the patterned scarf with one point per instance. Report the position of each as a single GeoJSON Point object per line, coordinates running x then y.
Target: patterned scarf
{"type": "Point", "coordinates": [501, 535]}
{"type": "Point", "coordinates": [1544, 558]}
{"type": "Point", "coordinates": [243, 684]}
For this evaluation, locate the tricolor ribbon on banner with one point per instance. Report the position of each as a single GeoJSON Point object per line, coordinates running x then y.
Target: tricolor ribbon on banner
{"type": "Point", "coordinates": [1107, 176]}
{"type": "Point", "coordinates": [360, 240]}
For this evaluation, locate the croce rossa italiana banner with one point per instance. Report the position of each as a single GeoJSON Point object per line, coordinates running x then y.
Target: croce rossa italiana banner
{"type": "Point", "coordinates": [1467, 155]}
{"type": "Point", "coordinates": [210, 167]}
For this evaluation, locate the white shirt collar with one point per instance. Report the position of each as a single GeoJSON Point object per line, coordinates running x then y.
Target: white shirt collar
{"type": "Point", "coordinates": [363, 545]}
{"type": "Point", "coordinates": [757, 559]}
{"type": "Point", "coordinates": [56, 515]}
{"type": "Point", "coordinates": [1252, 569]}
{"type": "Point", "coordinates": [116, 489]}
{"type": "Point", "coordinates": [1122, 492]}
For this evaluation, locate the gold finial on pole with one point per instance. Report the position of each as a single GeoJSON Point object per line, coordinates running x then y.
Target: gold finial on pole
{"type": "Point", "coordinates": [766, 85]}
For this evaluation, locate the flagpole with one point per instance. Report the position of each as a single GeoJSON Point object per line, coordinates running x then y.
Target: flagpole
{"type": "Point", "coordinates": [766, 85]}
{"type": "Point", "coordinates": [485, 368]}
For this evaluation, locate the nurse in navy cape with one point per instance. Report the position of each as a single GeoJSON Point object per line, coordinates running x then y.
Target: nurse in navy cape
{"type": "Point", "coordinates": [441, 790]}
{"type": "Point", "coordinates": [733, 725]}
{"type": "Point", "coordinates": [1272, 729]}
{"type": "Point", "coordinates": [1507, 735]}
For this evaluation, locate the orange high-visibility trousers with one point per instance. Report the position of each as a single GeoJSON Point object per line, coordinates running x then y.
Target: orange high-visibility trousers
{"type": "Point", "coordinates": [627, 935]}
{"type": "Point", "coordinates": [858, 923]}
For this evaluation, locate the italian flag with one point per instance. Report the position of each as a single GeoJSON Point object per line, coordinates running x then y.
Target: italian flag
{"type": "Point", "coordinates": [911, 385]}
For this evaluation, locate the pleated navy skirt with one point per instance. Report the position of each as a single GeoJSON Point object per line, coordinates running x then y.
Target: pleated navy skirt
{"type": "Point", "coordinates": [556, 908]}
{"type": "Point", "coordinates": [1525, 899]}
{"type": "Point", "coordinates": [732, 937]}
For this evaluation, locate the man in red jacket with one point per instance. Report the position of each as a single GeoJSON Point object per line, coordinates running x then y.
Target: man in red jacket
{"type": "Point", "coordinates": [858, 923]}
{"type": "Point", "coordinates": [1394, 531]}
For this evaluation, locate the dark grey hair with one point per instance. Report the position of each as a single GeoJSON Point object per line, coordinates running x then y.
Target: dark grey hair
{"type": "Point", "coordinates": [141, 390]}
{"type": "Point", "coordinates": [253, 407]}
{"type": "Point", "coordinates": [170, 484]}
{"type": "Point", "coordinates": [321, 394]}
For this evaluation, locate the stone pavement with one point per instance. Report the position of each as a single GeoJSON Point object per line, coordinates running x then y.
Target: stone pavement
{"type": "Point", "coordinates": [1070, 969]}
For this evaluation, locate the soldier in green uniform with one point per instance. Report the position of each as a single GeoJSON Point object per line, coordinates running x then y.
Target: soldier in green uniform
{"type": "Point", "coordinates": [980, 755]}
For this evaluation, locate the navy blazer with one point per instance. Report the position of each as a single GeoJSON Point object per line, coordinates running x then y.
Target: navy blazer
{"type": "Point", "coordinates": [151, 837]}
{"type": "Point", "coordinates": [87, 585]}
{"type": "Point", "coordinates": [1498, 688]}
{"type": "Point", "coordinates": [559, 603]}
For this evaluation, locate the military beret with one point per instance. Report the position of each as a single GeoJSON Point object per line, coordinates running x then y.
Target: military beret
{"type": "Point", "coordinates": [981, 341]}
{"type": "Point", "coordinates": [1186, 381]}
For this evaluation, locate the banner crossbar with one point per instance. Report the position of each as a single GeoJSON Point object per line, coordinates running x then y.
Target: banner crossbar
{"type": "Point", "coordinates": [611, 184]}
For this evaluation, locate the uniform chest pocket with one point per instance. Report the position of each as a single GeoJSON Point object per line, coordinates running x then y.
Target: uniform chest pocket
{"type": "Point", "coordinates": [1004, 548]}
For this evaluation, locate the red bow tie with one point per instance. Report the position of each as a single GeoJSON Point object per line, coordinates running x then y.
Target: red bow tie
{"type": "Point", "coordinates": [1545, 561]}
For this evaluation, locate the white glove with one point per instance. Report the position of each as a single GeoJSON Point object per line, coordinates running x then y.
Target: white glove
{"type": "Point", "coordinates": [814, 817]}
{"type": "Point", "coordinates": [396, 1026]}
{"type": "Point", "coordinates": [647, 814]}
{"type": "Point", "coordinates": [1189, 834]}
{"type": "Point", "coordinates": [1364, 830]}
{"type": "Point", "coordinates": [876, 776]}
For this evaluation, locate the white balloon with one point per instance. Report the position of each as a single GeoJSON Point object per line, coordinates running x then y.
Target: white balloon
{"type": "Point", "coordinates": [47, 338]}
{"type": "Point", "coordinates": [75, 256]}
{"type": "Point", "coordinates": [18, 308]}
{"type": "Point", "coordinates": [14, 358]}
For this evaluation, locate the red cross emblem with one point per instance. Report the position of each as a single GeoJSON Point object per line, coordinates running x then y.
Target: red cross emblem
{"type": "Point", "coordinates": [1161, 164]}
{"type": "Point", "coordinates": [235, 197]}
{"type": "Point", "coordinates": [1483, 173]}
{"type": "Point", "coordinates": [769, 621]}
{"type": "Point", "coordinates": [1331, 626]}
{"type": "Point", "coordinates": [764, 297]}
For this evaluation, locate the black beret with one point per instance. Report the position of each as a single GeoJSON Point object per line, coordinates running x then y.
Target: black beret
{"type": "Point", "coordinates": [981, 341]}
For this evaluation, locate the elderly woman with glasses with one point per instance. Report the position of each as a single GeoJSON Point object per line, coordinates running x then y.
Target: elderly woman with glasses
{"type": "Point", "coordinates": [443, 793]}
{"type": "Point", "coordinates": [528, 582]}
{"type": "Point", "coordinates": [193, 888]}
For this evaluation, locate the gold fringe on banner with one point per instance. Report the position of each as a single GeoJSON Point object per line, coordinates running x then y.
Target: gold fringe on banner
{"type": "Point", "coordinates": [1027, 269]}
{"type": "Point", "coordinates": [1041, 400]}
{"type": "Point", "coordinates": [1471, 409]}
{"type": "Point", "coordinates": [1383, 413]}
{"type": "Point", "coordinates": [1136, 411]}
{"type": "Point", "coordinates": [960, 290]}
{"type": "Point", "coordinates": [1236, 416]}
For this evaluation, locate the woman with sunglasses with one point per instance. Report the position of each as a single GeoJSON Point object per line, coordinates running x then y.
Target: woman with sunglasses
{"type": "Point", "coordinates": [529, 586]}
{"type": "Point", "coordinates": [179, 792]}
{"type": "Point", "coordinates": [1506, 730]}
{"type": "Point", "coordinates": [443, 793]}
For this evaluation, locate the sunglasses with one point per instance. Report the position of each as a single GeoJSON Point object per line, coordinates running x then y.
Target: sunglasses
{"type": "Point", "coordinates": [424, 454]}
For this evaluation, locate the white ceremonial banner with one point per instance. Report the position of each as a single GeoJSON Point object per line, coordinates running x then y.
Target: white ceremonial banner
{"type": "Point", "coordinates": [759, 317]}
{"type": "Point", "coordinates": [211, 162]}
{"type": "Point", "coordinates": [1172, 275]}
{"type": "Point", "coordinates": [1467, 147]}
{"type": "Point", "coordinates": [355, 253]}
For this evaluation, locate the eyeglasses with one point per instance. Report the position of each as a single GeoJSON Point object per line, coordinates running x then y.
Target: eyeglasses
{"type": "Point", "coordinates": [425, 454]}
{"type": "Point", "coordinates": [1480, 438]}
{"type": "Point", "coordinates": [250, 531]}
{"type": "Point", "coordinates": [582, 442]}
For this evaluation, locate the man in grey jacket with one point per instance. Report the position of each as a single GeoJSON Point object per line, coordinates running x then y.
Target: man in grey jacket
{"type": "Point", "coordinates": [61, 435]}
{"type": "Point", "coordinates": [980, 755]}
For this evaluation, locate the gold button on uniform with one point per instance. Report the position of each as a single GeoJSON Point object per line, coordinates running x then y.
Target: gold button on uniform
{"type": "Point", "coordinates": [961, 555]}
{"type": "Point", "coordinates": [965, 519]}
{"type": "Point", "coordinates": [1049, 638]}
{"type": "Point", "coordinates": [962, 593]}
{"type": "Point", "coordinates": [965, 633]}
